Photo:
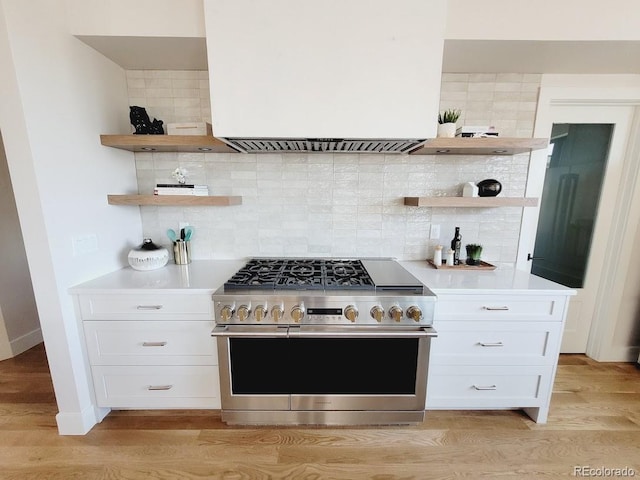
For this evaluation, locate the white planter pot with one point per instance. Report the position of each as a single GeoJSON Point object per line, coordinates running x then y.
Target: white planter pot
{"type": "Point", "coordinates": [447, 130]}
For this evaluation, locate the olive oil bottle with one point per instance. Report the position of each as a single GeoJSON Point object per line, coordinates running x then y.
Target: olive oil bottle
{"type": "Point", "coordinates": [456, 244]}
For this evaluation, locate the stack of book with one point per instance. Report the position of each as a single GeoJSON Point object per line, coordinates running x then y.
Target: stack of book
{"type": "Point", "coordinates": [181, 189]}
{"type": "Point", "coordinates": [479, 131]}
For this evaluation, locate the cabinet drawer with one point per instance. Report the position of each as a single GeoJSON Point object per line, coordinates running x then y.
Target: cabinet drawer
{"type": "Point", "coordinates": [496, 343]}
{"type": "Point", "coordinates": [146, 306]}
{"type": "Point", "coordinates": [156, 387]}
{"type": "Point", "coordinates": [487, 387]}
{"type": "Point", "coordinates": [150, 343]}
{"type": "Point", "coordinates": [500, 307]}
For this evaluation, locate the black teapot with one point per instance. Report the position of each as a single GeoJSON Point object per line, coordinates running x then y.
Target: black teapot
{"type": "Point", "coordinates": [489, 188]}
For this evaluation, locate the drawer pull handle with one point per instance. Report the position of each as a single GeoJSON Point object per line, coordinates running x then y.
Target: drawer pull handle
{"type": "Point", "coordinates": [491, 344]}
{"type": "Point", "coordinates": [149, 307]}
{"type": "Point", "coordinates": [154, 344]}
{"type": "Point", "coordinates": [503, 308]}
{"type": "Point", "coordinates": [159, 387]}
{"type": "Point", "coordinates": [485, 387]}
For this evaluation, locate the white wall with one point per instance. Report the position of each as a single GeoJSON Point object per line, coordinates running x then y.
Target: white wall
{"type": "Point", "coordinates": [57, 96]}
{"type": "Point", "coordinates": [18, 313]}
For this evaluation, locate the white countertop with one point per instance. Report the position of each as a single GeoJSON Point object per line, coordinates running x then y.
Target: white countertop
{"type": "Point", "coordinates": [505, 279]}
{"type": "Point", "coordinates": [206, 276]}
{"type": "Point", "coordinates": [198, 277]}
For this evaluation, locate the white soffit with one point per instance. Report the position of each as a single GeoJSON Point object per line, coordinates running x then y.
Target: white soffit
{"type": "Point", "coordinates": [577, 57]}
{"type": "Point", "coordinates": [460, 56]}
{"type": "Point", "coordinates": [151, 53]}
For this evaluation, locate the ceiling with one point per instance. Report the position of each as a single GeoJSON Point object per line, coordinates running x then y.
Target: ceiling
{"type": "Point", "coordinates": [460, 56]}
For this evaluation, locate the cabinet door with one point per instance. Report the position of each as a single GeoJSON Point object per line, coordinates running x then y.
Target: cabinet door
{"type": "Point", "coordinates": [150, 343]}
{"type": "Point", "coordinates": [496, 343]}
{"type": "Point", "coordinates": [167, 306]}
{"type": "Point", "coordinates": [466, 387]}
{"type": "Point", "coordinates": [157, 387]}
{"type": "Point", "coordinates": [500, 307]}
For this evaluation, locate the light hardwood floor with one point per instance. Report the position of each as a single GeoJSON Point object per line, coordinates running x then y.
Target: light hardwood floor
{"type": "Point", "coordinates": [594, 422]}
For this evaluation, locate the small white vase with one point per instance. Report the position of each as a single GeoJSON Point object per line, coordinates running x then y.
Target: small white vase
{"type": "Point", "coordinates": [447, 130]}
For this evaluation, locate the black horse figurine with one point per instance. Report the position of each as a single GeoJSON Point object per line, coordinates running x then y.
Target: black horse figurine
{"type": "Point", "coordinates": [140, 120]}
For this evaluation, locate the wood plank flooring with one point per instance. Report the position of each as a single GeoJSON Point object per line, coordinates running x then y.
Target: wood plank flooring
{"type": "Point", "coordinates": [594, 422]}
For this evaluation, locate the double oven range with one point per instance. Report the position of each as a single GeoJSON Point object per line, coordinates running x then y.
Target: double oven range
{"type": "Point", "coordinates": [323, 341]}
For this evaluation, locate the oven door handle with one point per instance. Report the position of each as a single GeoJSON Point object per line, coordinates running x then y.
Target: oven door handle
{"type": "Point", "coordinates": [376, 332]}
{"type": "Point", "coordinates": [239, 331]}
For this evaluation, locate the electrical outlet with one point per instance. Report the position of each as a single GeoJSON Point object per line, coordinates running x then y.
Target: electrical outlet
{"type": "Point", "coordinates": [434, 232]}
{"type": "Point", "coordinates": [84, 244]}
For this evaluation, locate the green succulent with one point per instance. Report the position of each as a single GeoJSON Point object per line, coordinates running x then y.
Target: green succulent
{"type": "Point", "coordinates": [474, 251]}
{"type": "Point", "coordinates": [449, 116]}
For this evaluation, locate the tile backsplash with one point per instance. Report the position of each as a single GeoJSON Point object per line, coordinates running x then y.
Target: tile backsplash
{"type": "Point", "coordinates": [338, 204]}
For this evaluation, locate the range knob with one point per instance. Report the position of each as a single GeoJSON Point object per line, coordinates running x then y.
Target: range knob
{"type": "Point", "coordinates": [414, 313]}
{"type": "Point", "coordinates": [243, 312]}
{"type": "Point", "coordinates": [377, 312]}
{"type": "Point", "coordinates": [297, 313]}
{"type": "Point", "coordinates": [396, 312]}
{"type": "Point", "coordinates": [276, 313]}
{"type": "Point", "coordinates": [226, 313]}
{"type": "Point", "coordinates": [351, 312]}
{"type": "Point", "coordinates": [259, 313]}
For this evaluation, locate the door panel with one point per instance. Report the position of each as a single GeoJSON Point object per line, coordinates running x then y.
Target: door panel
{"type": "Point", "coordinates": [572, 245]}
{"type": "Point", "coordinates": [570, 198]}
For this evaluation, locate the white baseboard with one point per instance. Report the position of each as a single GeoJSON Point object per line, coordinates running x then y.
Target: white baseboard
{"type": "Point", "coordinates": [619, 354]}
{"type": "Point", "coordinates": [78, 423]}
{"type": "Point", "coordinates": [26, 341]}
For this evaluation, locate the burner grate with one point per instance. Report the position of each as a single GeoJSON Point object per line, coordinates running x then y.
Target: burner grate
{"type": "Point", "coordinates": [257, 273]}
{"type": "Point", "coordinates": [347, 275]}
{"type": "Point", "coordinates": [302, 274]}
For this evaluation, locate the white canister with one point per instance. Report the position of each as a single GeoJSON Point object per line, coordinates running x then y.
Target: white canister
{"type": "Point", "coordinates": [470, 189]}
{"type": "Point", "coordinates": [148, 256]}
{"type": "Point", "coordinates": [437, 256]}
{"type": "Point", "coordinates": [450, 257]}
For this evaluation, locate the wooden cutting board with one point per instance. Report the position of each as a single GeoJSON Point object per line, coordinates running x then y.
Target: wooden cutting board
{"type": "Point", "coordinates": [463, 266]}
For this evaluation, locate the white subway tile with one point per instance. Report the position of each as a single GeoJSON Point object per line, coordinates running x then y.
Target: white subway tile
{"type": "Point", "coordinates": [342, 204]}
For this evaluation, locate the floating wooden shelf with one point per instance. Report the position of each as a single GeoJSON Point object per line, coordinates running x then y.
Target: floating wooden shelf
{"type": "Point", "coordinates": [176, 200]}
{"type": "Point", "coordinates": [470, 202]}
{"type": "Point", "coordinates": [166, 143]}
{"type": "Point", "coordinates": [435, 146]}
{"type": "Point", "coordinates": [481, 146]}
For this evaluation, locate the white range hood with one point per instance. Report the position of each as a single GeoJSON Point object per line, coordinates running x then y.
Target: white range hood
{"type": "Point", "coordinates": [325, 75]}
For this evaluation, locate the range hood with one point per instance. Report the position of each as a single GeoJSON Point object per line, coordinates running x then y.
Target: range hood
{"type": "Point", "coordinates": [319, 145]}
{"type": "Point", "coordinates": [345, 76]}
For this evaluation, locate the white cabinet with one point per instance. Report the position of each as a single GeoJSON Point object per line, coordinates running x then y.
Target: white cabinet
{"type": "Point", "coordinates": [495, 351]}
{"type": "Point", "coordinates": [500, 307]}
{"type": "Point", "coordinates": [473, 387]}
{"type": "Point", "coordinates": [156, 387]}
{"type": "Point", "coordinates": [148, 306]}
{"type": "Point", "coordinates": [495, 343]}
{"type": "Point", "coordinates": [152, 350]}
{"type": "Point", "coordinates": [150, 343]}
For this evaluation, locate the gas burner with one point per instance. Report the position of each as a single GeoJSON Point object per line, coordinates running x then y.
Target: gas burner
{"type": "Point", "coordinates": [302, 271]}
{"type": "Point", "coordinates": [302, 274]}
{"type": "Point", "coordinates": [349, 275]}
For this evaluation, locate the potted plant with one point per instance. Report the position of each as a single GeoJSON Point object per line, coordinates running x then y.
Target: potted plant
{"type": "Point", "coordinates": [474, 251]}
{"type": "Point", "coordinates": [447, 123]}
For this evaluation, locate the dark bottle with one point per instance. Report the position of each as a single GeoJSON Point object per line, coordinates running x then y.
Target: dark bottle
{"type": "Point", "coordinates": [456, 244]}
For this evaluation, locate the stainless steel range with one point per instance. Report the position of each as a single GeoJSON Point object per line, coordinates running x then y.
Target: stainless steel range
{"type": "Point", "coordinates": [323, 341]}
